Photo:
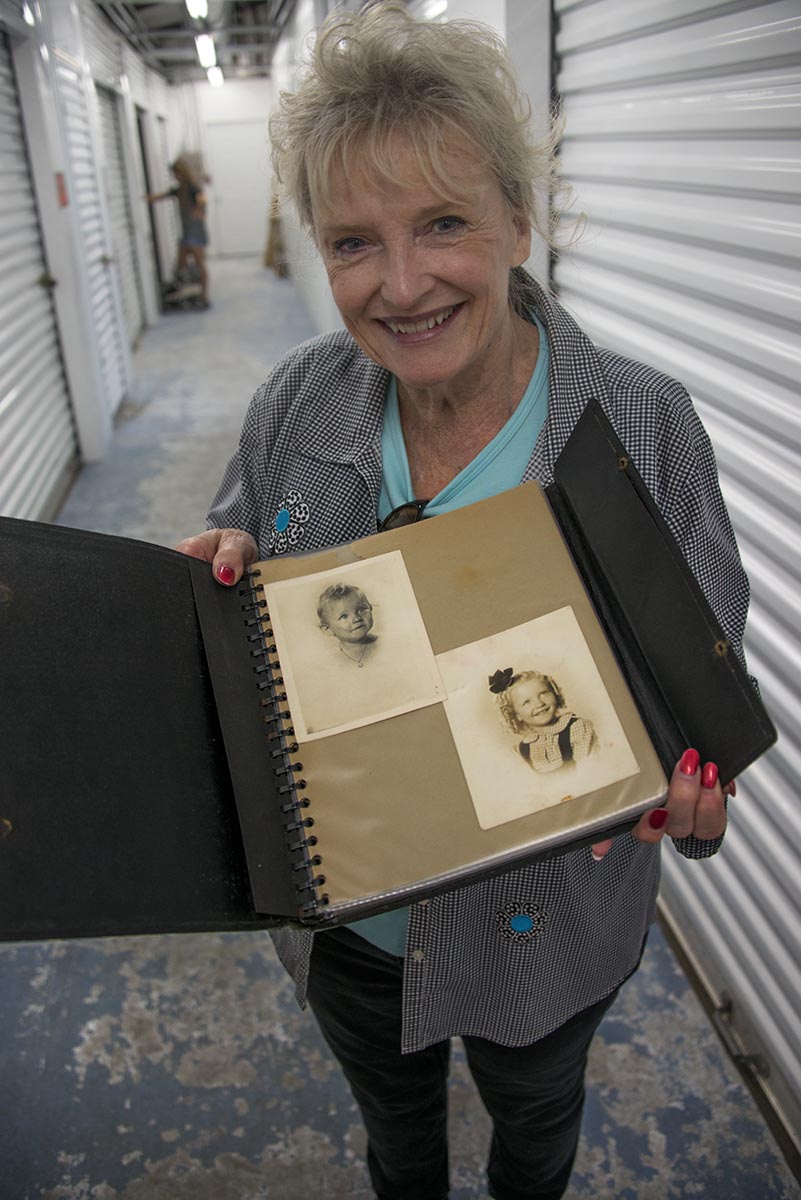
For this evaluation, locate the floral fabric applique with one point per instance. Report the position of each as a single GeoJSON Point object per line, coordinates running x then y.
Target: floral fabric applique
{"type": "Point", "coordinates": [521, 922]}
{"type": "Point", "coordinates": [288, 523]}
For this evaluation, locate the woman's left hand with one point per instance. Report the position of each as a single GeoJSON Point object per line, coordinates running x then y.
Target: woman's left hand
{"type": "Point", "coordinates": [695, 804]}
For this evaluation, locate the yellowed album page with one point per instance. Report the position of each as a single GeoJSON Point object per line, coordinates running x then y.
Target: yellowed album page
{"type": "Point", "coordinates": [492, 719]}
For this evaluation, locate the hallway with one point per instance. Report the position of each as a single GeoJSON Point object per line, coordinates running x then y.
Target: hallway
{"type": "Point", "coordinates": [178, 1067]}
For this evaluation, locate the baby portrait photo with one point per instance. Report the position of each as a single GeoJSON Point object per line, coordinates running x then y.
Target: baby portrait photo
{"type": "Point", "coordinates": [352, 645]}
{"type": "Point", "coordinates": [532, 721]}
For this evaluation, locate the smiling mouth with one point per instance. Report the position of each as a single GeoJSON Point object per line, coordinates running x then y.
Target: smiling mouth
{"type": "Point", "coordinates": [422, 324]}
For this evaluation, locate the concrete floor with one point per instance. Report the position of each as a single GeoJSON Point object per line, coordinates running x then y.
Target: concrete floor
{"type": "Point", "coordinates": [178, 1067]}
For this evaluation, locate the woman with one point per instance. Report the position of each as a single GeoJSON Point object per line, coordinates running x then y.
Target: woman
{"type": "Point", "coordinates": [406, 149]}
{"type": "Point", "coordinates": [192, 207]}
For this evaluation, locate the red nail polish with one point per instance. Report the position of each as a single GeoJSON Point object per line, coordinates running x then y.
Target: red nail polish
{"type": "Point", "coordinates": [658, 817]}
{"type": "Point", "coordinates": [226, 575]}
{"type": "Point", "coordinates": [689, 762]}
{"type": "Point", "coordinates": [709, 775]}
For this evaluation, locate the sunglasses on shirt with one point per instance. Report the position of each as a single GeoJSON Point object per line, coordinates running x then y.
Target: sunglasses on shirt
{"type": "Point", "coordinates": [405, 514]}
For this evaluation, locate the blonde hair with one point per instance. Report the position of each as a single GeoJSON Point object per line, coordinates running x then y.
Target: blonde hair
{"type": "Point", "coordinates": [378, 73]}
{"type": "Point", "coordinates": [184, 170]}
{"type": "Point", "coordinates": [506, 706]}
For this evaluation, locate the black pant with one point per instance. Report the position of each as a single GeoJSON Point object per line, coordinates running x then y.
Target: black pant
{"type": "Point", "coordinates": [534, 1094]}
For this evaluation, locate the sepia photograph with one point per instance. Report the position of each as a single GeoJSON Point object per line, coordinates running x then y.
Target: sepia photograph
{"type": "Point", "coordinates": [353, 646]}
{"type": "Point", "coordinates": [532, 721]}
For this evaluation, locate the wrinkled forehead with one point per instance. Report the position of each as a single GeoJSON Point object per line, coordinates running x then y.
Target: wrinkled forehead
{"type": "Point", "coordinates": [377, 162]}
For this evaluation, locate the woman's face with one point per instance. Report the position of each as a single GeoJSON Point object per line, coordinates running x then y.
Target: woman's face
{"type": "Point", "coordinates": [421, 283]}
{"type": "Point", "coordinates": [534, 702]}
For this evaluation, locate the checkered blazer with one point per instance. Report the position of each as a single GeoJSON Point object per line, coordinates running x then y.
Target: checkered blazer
{"type": "Point", "coordinates": [311, 447]}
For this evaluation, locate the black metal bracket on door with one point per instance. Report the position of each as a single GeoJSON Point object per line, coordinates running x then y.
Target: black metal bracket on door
{"type": "Point", "coordinates": [722, 1014]}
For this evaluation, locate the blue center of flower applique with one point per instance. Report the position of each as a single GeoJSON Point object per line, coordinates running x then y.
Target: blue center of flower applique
{"type": "Point", "coordinates": [521, 923]}
{"type": "Point", "coordinates": [288, 523]}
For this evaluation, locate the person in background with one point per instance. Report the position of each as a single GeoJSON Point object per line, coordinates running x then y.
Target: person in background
{"type": "Point", "coordinates": [407, 148]}
{"type": "Point", "coordinates": [192, 207]}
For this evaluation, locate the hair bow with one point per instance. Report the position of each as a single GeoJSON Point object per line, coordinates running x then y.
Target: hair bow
{"type": "Point", "coordinates": [500, 681]}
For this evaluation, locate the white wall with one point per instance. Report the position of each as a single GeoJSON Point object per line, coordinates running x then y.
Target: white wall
{"type": "Point", "coordinates": [233, 134]}
{"type": "Point", "coordinates": [306, 268]}
{"type": "Point", "coordinates": [528, 35]}
{"type": "Point", "coordinates": [491, 12]}
{"type": "Point", "coordinates": [183, 124]}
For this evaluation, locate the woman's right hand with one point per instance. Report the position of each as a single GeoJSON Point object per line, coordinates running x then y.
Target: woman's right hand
{"type": "Point", "coordinates": [230, 552]}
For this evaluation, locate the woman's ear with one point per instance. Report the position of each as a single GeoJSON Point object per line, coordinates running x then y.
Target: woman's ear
{"type": "Point", "coordinates": [523, 239]}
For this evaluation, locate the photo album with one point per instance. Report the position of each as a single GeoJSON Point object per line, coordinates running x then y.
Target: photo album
{"type": "Point", "coordinates": [453, 698]}
{"type": "Point", "coordinates": [452, 704]}
{"type": "Point", "coordinates": [352, 729]}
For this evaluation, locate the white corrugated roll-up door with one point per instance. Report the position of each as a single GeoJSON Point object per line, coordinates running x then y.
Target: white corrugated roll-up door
{"type": "Point", "coordinates": [682, 146]}
{"type": "Point", "coordinates": [38, 447]}
{"type": "Point", "coordinates": [104, 47]}
{"type": "Point", "coordinates": [158, 90]}
{"type": "Point", "coordinates": [119, 208]}
{"type": "Point", "coordinates": [94, 239]}
{"type": "Point", "coordinates": [137, 72]}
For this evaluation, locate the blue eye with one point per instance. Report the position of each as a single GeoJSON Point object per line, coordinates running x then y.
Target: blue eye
{"type": "Point", "coordinates": [448, 224]}
{"type": "Point", "coordinates": [349, 245]}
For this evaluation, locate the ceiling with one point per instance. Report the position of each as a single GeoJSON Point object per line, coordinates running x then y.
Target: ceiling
{"type": "Point", "coordinates": [245, 34]}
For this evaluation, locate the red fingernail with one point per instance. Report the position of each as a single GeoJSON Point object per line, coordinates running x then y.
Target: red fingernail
{"type": "Point", "coordinates": [731, 788]}
{"type": "Point", "coordinates": [709, 775]}
{"type": "Point", "coordinates": [226, 575]}
{"type": "Point", "coordinates": [689, 762]}
{"type": "Point", "coordinates": [658, 817]}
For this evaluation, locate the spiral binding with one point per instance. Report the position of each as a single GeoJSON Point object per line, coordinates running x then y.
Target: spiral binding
{"type": "Point", "coordinates": [280, 735]}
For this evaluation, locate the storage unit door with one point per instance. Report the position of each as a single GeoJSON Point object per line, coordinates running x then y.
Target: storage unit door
{"type": "Point", "coordinates": [103, 45]}
{"type": "Point", "coordinates": [682, 145]}
{"type": "Point", "coordinates": [96, 250]}
{"type": "Point", "coordinates": [122, 227]}
{"type": "Point", "coordinates": [38, 447]}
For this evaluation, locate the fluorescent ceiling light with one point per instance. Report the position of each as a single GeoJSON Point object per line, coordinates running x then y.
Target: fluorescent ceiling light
{"type": "Point", "coordinates": [198, 9]}
{"type": "Point", "coordinates": [215, 76]}
{"type": "Point", "coordinates": [204, 44]}
{"type": "Point", "coordinates": [434, 8]}
{"type": "Point", "coordinates": [27, 15]}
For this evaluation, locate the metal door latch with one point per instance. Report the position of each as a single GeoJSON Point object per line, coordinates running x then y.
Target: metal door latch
{"type": "Point", "coordinates": [757, 1064]}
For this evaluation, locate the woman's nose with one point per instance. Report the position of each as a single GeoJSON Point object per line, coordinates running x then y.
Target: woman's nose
{"type": "Point", "coordinates": [405, 278]}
